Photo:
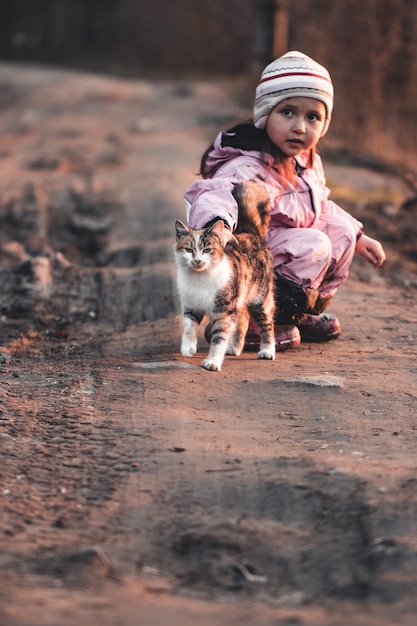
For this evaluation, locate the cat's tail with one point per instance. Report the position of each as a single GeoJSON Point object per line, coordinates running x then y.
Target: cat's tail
{"type": "Point", "coordinates": [254, 207]}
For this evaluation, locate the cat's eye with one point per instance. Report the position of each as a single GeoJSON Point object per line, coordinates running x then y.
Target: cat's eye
{"type": "Point", "coordinates": [189, 250]}
{"type": "Point", "coordinates": [207, 250]}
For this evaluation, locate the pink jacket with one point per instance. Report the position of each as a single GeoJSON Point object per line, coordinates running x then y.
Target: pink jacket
{"type": "Point", "coordinates": [312, 239]}
{"type": "Point", "coordinates": [299, 207]}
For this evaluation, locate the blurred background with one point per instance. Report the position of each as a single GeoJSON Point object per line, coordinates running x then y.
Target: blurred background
{"type": "Point", "coordinates": [369, 47]}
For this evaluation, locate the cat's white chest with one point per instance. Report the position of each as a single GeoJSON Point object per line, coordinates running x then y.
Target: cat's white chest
{"type": "Point", "coordinates": [198, 290]}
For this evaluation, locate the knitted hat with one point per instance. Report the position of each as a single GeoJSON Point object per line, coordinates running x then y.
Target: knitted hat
{"type": "Point", "coordinates": [294, 74]}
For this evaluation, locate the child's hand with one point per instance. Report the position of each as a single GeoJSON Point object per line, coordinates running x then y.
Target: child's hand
{"type": "Point", "coordinates": [371, 250]}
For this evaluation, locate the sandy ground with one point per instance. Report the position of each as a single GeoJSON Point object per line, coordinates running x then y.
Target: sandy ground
{"type": "Point", "coordinates": [137, 488]}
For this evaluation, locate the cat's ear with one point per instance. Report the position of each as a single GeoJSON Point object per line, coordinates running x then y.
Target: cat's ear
{"type": "Point", "coordinates": [222, 232]}
{"type": "Point", "coordinates": [180, 229]}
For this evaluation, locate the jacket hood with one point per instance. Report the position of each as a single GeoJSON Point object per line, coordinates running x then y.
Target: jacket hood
{"type": "Point", "coordinates": [223, 152]}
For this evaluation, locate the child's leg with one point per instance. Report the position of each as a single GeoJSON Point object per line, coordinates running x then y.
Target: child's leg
{"type": "Point", "coordinates": [311, 264]}
{"type": "Point", "coordinates": [342, 236]}
{"type": "Point", "coordinates": [301, 255]}
{"type": "Point", "coordinates": [315, 258]}
{"type": "Point", "coordinates": [301, 259]}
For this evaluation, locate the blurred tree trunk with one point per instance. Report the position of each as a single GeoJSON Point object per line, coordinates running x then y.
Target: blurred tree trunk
{"type": "Point", "coordinates": [264, 34]}
{"type": "Point", "coordinates": [281, 27]}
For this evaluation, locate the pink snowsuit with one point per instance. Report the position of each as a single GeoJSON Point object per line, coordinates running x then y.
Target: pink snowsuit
{"type": "Point", "coordinates": [311, 238]}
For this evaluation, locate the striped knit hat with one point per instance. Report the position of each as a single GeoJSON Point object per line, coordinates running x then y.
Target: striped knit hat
{"type": "Point", "coordinates": [294, 74]}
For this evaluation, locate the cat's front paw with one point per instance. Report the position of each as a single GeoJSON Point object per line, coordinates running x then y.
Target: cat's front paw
{"type": "Point", "coordinates": [188, 348]}
{"type": "Point", "coordinates": [266, 354]}
{"type": "Point", "coordinates": [212, 366]}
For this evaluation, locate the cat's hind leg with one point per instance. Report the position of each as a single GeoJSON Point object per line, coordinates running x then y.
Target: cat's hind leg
{"type": "Point", "coordinates": [263, 314]}
{"type": "Point", "coordinates": [190, 324]}
{"type": "Point", "coordinates": [237, 338]}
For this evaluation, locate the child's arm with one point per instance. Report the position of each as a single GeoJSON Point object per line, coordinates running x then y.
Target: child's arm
{"type": "Point", "coordinates": [211, 199]}
{"type": "Point", "coordinates": [371, 250]}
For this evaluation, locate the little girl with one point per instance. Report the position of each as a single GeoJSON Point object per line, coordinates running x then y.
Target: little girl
{"type": "Point", "coordinates": [311, 238]}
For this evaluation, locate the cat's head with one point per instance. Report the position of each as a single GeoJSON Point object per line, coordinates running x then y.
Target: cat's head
{"type": "Point", "coordinates": [201, 249]}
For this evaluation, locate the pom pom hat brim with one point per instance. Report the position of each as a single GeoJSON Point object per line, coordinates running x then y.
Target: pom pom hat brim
{"type": "Point", "coordinates": [292, 75]}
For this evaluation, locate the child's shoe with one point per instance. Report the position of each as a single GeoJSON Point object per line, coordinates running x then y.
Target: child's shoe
{"type": "Point", "coordinates": [319, 328]}
{"type": "Point", "coordinates": [286, 336]}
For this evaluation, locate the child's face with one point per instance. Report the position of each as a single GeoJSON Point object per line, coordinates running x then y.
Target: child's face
{"type": "Point", "coordinates": [296, 124]}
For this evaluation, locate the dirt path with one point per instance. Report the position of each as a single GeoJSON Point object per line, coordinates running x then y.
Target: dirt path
{"type": "Point", "coordinates": [136, 487]}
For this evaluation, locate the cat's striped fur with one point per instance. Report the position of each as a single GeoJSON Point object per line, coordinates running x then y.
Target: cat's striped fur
{"type": "Point", "coordinates": [227, 278]}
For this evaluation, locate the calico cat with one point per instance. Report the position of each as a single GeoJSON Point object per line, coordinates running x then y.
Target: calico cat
{"type": "Point", "coordinates": [228, 278]}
